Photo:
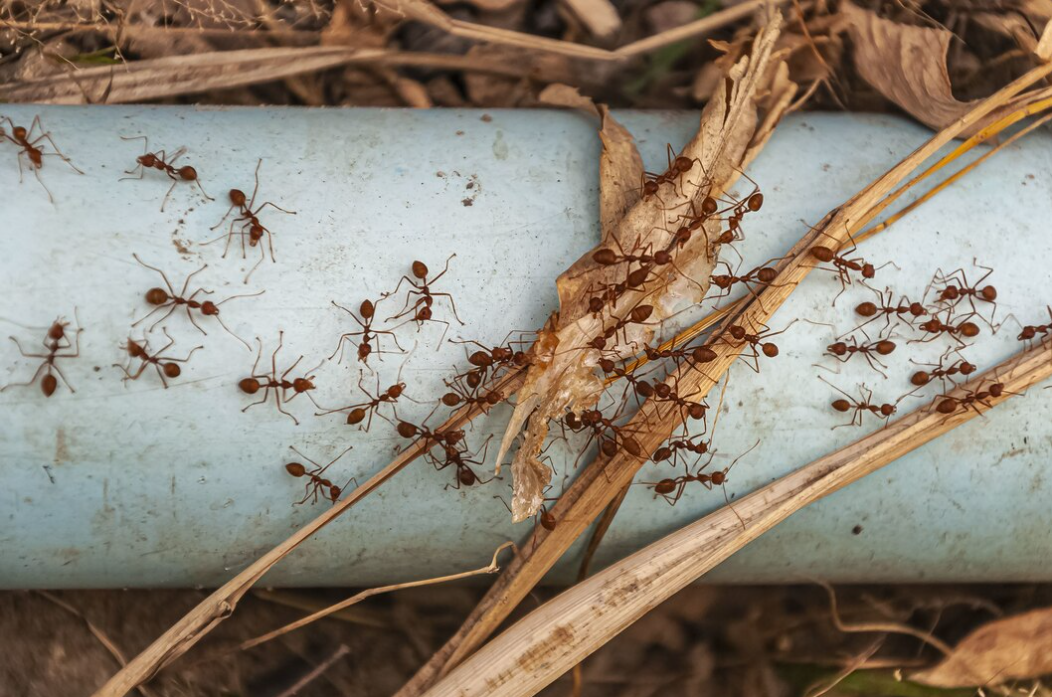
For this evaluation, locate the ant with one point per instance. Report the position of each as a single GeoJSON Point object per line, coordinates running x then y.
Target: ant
{"type": "Point", "coordinates": [421, 308]}
{"type": "Point", "coordinates": [959, 367]}
{"type": "Point", "coordinates": [672, 449]}
{"type": "Point", "coordinates": [162, 163]}
{"type": "Point", "coordinates": [950, 405]}
{"type": "Point", "coordinates": [356, 413]}
{"type": "Point", "coordinates": [316, 484]}
{"type": "Point", "coordinates": [250, 222]}
{"type": "Point", "coordinates": [647, 260]}
{"type": "Point", "coordinates": [663, 392]}
{"type": "Point", "coordinates": [451, 438]}
{"type": "Point", "coordinates": [280, 385]}
{"type": "Point", "coordinates": [935, 327]}
{"type": "Point", "coordinates": [166, 368]}
{"type": "Point", "coordinates": [465, 476]}
{"type": "Point", "coordinates": [55, 341]}
{"type": "Point", "coordinates": [886, 411]}
{"type": "Point", "coordinates": [24, 139]}
{"type": "Point", "coordinates": [740, 335]}
{"type": "Point", "coordinates": [678, 165]}
{"type": "Point", "coordinates": [610, 437]}
{"type": "Point", "coordinates": [494, 358]}
{"type": "Point", "coordinates": [842, 266]}
{"type": "Point", "coordinates": [904, 309]}
{"type": "Point", "coordinates": [671, 489]}
{"type": "Point", "coordinates": [161, 299]}
{"type": "Point", "coordinates": [367, 310]}
{"type": "Point", "coordinates": [1030, 331]}
{"type": "Point", "coordinates": [843, 351]}
{"type": "Point", "coordinates": [955, 287]}
{"type": "Point", "coordinates": [637, 315]}
{"type": "Point", "coordinates": [460, 395]}
{"type": "Point", "coordinates": [761, 275]}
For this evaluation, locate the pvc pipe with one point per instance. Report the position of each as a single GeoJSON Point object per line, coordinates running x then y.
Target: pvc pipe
{"type": "Point", "coordinates": [129, 484]}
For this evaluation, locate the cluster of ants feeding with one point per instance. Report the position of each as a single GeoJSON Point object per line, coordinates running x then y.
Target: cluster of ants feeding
{"type": "Point", "coordinates": [475, 387]}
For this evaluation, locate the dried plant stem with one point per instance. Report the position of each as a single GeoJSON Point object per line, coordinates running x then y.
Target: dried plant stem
{"type": "Point", "coordinates": [317, 672]}
{"type": "Point", "coordinates": [548, 642]}
{"type": "Point", "coordinates": [221, 603]}
{"type": "Point", "coordinates": [602, 480]}
{"type": "Point", "coordinates": [490, 568]}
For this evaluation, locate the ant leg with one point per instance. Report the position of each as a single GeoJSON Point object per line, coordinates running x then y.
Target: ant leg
{"type": "Point", "coordinates": [227, 329]}
{"type": "Point", "coordinates": [58, 152]}
{"type": "Point", "coordinates": [30, 382]}
{"type": "Point", "coordinates": [186, 283]}
{"type": "Point", "coordinates": [127, 375]}
{"type": "Point", "coordinates": [273, 205]}
{"type": "Point", "coordinates": [164, 201]}
{"type": "Point", "coordinates": [277, 401]}
{"type": "Point", "coordinates": [266, 396]}
{"type": "Point", "coordinates": [171, 290]}
{"type": "Point", "coordinates": [283, 375]}
{"type": "Point", "coordinates": [451, 304]}
{"type": "Point", "coordinates": [36, 173]}
{"type": "Point", "coordinates": [22, 351]}
{"type": "Point", "coordinates": [190, 315]}
{"type": "Point", "coordinates": [262, 257]}
{"type": "Point", "coordinates": [221, 220]}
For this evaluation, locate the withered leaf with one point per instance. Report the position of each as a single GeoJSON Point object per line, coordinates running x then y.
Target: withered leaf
{"type": "Point", "coordinates": [1006, 649]}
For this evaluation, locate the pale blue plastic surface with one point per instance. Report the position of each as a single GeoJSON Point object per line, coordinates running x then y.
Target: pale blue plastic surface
{"type": "Point", "coordinates": [133, 485]}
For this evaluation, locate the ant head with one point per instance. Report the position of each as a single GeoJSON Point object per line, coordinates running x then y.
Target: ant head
{"type": "Point", "coordinates": [209, 308]}
{"type": "Point", "coordinates": [57, 330]}
{"type": "Point", "coordinates": [683, 164]}
{"type": "Point", "coordinates": [770, 350]}
{"type": "Point", "coordinates": [237, 197]}
{"type": "Point", "coordinates": [932, 325]}
{"type": "Point", "coordinates": [406, 429]}
{"type": "Point", "coordinates": [135, 350]}
{"type": "Point", "coordinates": [967, 368]}
{"type": "Point", "coordinates": [1027, 334]}
{"type": "Point", "coordinates": [571, 421]}
{"type": "Point", "coordinates": [356, 416]}
{"type": "Point", "coordinates": [709, 205]}
{"type": "Point", "coordinates": [662, 390]}
{"type": "Point", "coordinates": [598, 343]}
{"type": "Point", "coordinates": [969, 329]}
{"type": "Point", "coordinates": [606, 365]}
{"type": "Point", "coordinates": [917, 310]}
{"type": "Point", "coordinates": [420, 270]}
{"type": "Point", "coordinates": [823, 253]}
{"type": "Point", "coordinates": [334, 492]}
{"type": "Point", "coordinates": [480, 359]}
{"type": "Point", "coordinates": [295, 469]}
{"type": "Point", "coordinates": [451, 399]}
{"type": "Point", "coordinates": [494, 398]}
{"type": "Point", "coordinates": [171, 370]}
{"type": "Point", "coordinates": [187, 173]}
{"type": "Point", "coordinates": [949, 293]}
{"type": "Point", "coordinates": [997, 389]}
{"type": "Point", "coordinates": [920, 378]}
{"type": "Point", "coordinates": [364, 350]}
{"type": "Point", "coordinates": [887, 410]}
{"type": "Point", "coordinates": [48, 385]}
{"type": "Point", "coordinates": [885, 347]}
{"type": "Point", "coordinates": [841, 405]}
{"type": "Point", "coordinates": [837, 349]}
{"type": "Point", "coordinates": [605, 256]}
{"type": "Point", "coordinates": [147, 159]}
{"type": "Point", "coordinates": [395, 391]}
{"type": "Point", "coordinates": [423, 314]}
{"type": "Point", "coordinates": [718, 478]}
{"type": "Point", "coordinates": [595, 305]}
{"type": "Point", "coordinates": [302, 385]}
{"type": "Point", "coordinates": [723, 281]}
{"type": "Point", "coordinates": [662, 257]}
{"type": "Point", "coordinates": [367, 310]}
{"type": "Point", "coordinates": [650, 188]}
{"type": "Point", "coordinates": [454, 437]}
{"type": "Point", "coordinates": [866, 309]}
{"type": "Point", "coordinates": [19, 132]}
{"type": "Point", "coordinates": [156, 296]}
{"type": "Point", "coordinates": [249, 385]}
{"type": "Point", "coordinates": [868, 271]}
{"type": "Point", "coordinates": [503, 353]}
{"type": "Point", "coordinates": [755, 202]}
{"type": "Point", "coordinates": [989, 293]}
{"type": "Point", "coordinates": [665, 486]}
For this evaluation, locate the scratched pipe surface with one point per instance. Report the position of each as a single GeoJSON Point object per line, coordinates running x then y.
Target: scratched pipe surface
{"type": "Point", "coordinates": [134, 485]}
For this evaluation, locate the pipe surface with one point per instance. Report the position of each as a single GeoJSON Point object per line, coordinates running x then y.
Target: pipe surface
{"type": "Point", "coordinates": [131, 485]}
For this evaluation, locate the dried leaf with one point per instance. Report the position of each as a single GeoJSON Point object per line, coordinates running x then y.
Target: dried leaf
{"type": "Point", "coordinates": [1006, 649]}
{"type": "Point", "coordinates": [907, 64]}
{"type": "Point", "coordinates": [600, 17]}
{"type": "Point", "coordinates": [1044, 46]}
{"type": "Point", "coordinates": [567, 380]}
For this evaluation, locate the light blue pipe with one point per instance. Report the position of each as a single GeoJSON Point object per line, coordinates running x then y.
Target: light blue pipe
{"type": "Point", "coordinates": [134, 485]}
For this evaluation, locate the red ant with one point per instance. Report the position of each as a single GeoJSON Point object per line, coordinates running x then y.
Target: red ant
{"type": "Point", "coordinates": [451, 438]}
{"type": "Point", "coordinates": [280, 385]}
{"type": "Point", "coordinates": [460, 395]}
{"type": "Point", "coordinates": [647, 260]}
{"type": "Point", "coordinates": [955, 287]}
{"type": "Point", "coordinates": [421, 308]}
{"type": "Point", "coordinates": [960, 367]}
{"type": "Point", "coordinates": [760, 276]}
{"type": "Point", "coordinates": [842, 266]}
{"type": "Point", "coordinates": [465, 476]}
{"type": "Point", "coordinates": [55, 341]}
{"type": "Point", "coordinates": [741, 336]}
{"type": "Point", "coordinates": [843, 351]}
{"type": "Point", "coordinates": [316, 484]}
{"type": "Point", "coordinates": [671, 489]}
{"type": "Point", "coordinates": [610, 437]}
{"type": "Point", "coordinates": [935, 327]}
{"type": "Point", "coordinates": [166, 367]}
{"type": "Point", "coordinates": [678, 165]}
{"type": "Point", "coordinates": [172, 300]}
{"type": "Point", "coordinates": [494, 358]}
{"type": "Point", "coordinates": [663, 392]}
{"type": "Point", "coordinates": [1030, 331]}
{"type": "Point", "coordinates": [672, 449]}
{"type": "Point", "coordinates": [637, 315]}
{"type": "Point", "coordinates": [367, 310]}
{"type": "Point", "coordinates": [162, 163]}
{"type": "Point", "coordinates": [950, 405]}
{"type": "Point", "coordinates": [24, 139]}
{"type": "Point", "coordinates": [886, 411]}
{"type": "Point", "coordinates": [356, 413]}
{"type": "Point", "coordinates": [250, 222]}
{"type": "Point", "coordinates": [904, 309]}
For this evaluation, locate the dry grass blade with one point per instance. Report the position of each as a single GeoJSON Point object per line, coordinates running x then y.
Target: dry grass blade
{"type": "Point", "coordinates": [144, 80]}
{"type": "Point", "coordinates": [695, 28]}
{"type": "Point", "coordinates": [601, 481]}
{"type": "Point", "coordinates": [490, 568]}
{"type": "Point", "coordinates": [191, 628]}
{"type": "Point", "coordinates": [549, 641]}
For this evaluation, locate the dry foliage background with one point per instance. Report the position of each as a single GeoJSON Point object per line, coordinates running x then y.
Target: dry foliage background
{"type": "Point", "coordinates": [926, 59]}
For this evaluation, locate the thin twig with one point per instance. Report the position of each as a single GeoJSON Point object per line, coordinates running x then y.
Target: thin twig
{"type": "Point", "coordinates": [318, 671]}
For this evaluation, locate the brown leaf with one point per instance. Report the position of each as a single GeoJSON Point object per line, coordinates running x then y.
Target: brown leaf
{"type": "Point", "coordinates": [907, 64]}
{"type": "Point", "coordinates": [1007, 649]}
